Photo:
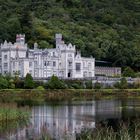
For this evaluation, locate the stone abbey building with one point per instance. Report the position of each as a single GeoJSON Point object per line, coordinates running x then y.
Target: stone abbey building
{"type": "Point", "coordinates": [63, 61]}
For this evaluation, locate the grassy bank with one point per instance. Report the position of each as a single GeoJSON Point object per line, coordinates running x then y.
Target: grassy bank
{"type": "Point", "coordinates": [12, 113]}
{"type": "Point", "coordinates": [125, 131]}
{"type": "Point", "coordinates": [9, 95]}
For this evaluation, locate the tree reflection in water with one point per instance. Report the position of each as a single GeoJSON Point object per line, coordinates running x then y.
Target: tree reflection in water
{"type": "Point", "coordinates": [69, 119]}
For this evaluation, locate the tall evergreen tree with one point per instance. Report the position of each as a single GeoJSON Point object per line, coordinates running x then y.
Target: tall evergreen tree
{"type": "Point", "coordinates": [28, 83]}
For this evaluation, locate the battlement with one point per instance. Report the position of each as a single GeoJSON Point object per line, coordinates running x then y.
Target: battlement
{"type": "Point", "coordinates": [60, 44]}
{"type": "Point", "coordinates": [58, 39]}
{"type": "Point", "coordinates": [20, 38]}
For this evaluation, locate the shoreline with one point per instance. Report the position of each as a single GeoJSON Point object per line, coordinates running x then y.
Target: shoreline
{"type": "Point", "coordinates": [12, 95]}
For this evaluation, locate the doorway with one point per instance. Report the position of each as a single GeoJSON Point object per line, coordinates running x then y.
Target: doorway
{"type": "Point", "coordinates": [69, 74]}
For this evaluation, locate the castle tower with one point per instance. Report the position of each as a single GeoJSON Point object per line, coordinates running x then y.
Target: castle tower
{"type": "Point", "coordinates": [58, 39]}
{"type": "Point", "coordinates": [20, 39]}
{"type": "Point", "coordinates": [35, 46]}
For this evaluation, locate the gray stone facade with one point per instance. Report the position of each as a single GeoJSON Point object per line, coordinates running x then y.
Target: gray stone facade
{"type": "Point", "coordinates": [107, 71]}
{"type": "Point", "coordinates": [63, 61]}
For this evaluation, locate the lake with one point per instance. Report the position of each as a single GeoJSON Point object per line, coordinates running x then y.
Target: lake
{"type": "Point", "coordinates": [67, 119]}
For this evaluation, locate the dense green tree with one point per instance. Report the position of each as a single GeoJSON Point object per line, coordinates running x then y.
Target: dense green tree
{"type": "Point", "coordinates": [122, 84]}
{"type": "Point", "coordinates": [55, 83]}
{"type": "Point", "coordinates": [28, 83]}
{"type": "Point", "coordinates": [44, 44]}
{"type": "Point", "coordinates": [128, 72]}
{"type": "Point", "coordinates": [3, 83]}
{"type": "Point", "coordinates": [88, 84]}
{"type": "Point", "coordinates": [107, 30]}
{"type": "Point", "coordinates": [97, 85]}
{"type": "Point", "coordinates": [11, 84]}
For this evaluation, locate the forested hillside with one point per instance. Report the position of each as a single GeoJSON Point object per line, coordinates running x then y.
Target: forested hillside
{"type": "Point", "coordinates": [106, 29]}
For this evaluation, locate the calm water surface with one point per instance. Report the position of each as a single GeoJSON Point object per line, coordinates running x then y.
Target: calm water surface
{"type": "Point", "coordinates": [67, 119]}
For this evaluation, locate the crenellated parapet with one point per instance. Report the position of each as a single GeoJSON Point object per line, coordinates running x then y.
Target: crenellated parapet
{"type": "Point", "coordinates": [61, 45]}
{"type": "Point", "coordinates": [20, 44]}
{"type": "Point", "coordinates": [20, 38]}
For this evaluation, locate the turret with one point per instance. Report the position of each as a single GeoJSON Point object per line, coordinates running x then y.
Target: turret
{"type": "Point", "coordinates": [35, 46]}
{"type": "Point", "coordinates": [20, 39]}
{"type": "Point", "coordinates": [58, 39]}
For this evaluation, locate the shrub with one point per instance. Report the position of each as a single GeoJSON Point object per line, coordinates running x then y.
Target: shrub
{"type": "Point", "coordinates": [77, 84]}
{"type": "Point", "coordinates": [128, 72]}
{"type": "Point", "coordinates": [97, 85]}
{"type": "Point", "coordinates": [122, 84]}
{"type": "Point", "coordinates": [88, 84]}
{"type": "Point", "coordinates": [11, 84]}
{"type": "Point", "coordinates": [3, 83]}
{"type": "Point", "coordinates": [55, 83]}
{"type": "Point", "coordinates": [28, 83]}
{"type": "Point", "coordinates": [41, 88]}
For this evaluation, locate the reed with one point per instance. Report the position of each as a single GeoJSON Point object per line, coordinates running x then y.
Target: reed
{"type": "Point", "coordinates": [10, 112]}
{"type": "Point", "coordinates": [124, 132]}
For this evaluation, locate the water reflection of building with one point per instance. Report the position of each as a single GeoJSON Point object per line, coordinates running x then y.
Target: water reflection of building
{"type": "Point", "coordinates": [108, 109]}
{"type": "Point", "coordinates": [65, 119]}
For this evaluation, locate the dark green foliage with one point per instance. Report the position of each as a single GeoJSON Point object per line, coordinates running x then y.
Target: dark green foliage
{"type": "Point", "coordinates": [18, 83]}
{"type": "Point", "coordinates": [97, 85]}
{"type": "Point", "coordinates": [3, 83]}
{"type": "Point", "coordinates": [117, 85]}
{"type": "Point", "coordinates": [128, 72]}
{"type": "Point", "coordinates": [122, 84]}
{"type": "Point", "coordinates": [88, 85]}
{"type": "Point", "coordinates": [76, 84]}
{"type": "Point", "coordinates": [28, 83]}
{"type": "Point", "coordinates": [55, 83]}
{"type": "Point", "coordinates": [39, 83]}
{"type": "Point", "coordinates": [107, 29]}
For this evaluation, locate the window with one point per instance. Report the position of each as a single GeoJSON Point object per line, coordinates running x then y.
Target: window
{"type": "Point", "coordinates": [89, 65]}
{"type": "Point", "coordinates": [83, 64]}
{"type": "Point", "coordinates": [48, 63]}
{"type": "Point", "coordinates": [35, 63]}
{"type": "Point", "coordinates": [69, 55]}
{"type": "Point", "coordinates": [5, 57]}
{"type": "Point", "coordinates": [78, 66]}
{"type": "Point", "coordinates": [19, 63]}
{"type": "Point", "coordinates": [5, 65]}
{"type": "Point", "coordinates": [70, 64]}
{"type": "Point", "coordinates": [45, 63]}
{"type": "Point", "coordinates": [85, 74]}
{"type": "Point", "coordinates": [30, 64]}
{"type": "Point", "coordinates": [54, 63]}
{"type": "Point", "coordinates": [5, 72]}
{"type": "Point", "coordinates": [53, 53]}
{"type": "Point", "coordinates": [13, 64]}
{"type": "Point", "coordinates": [90, 74]}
